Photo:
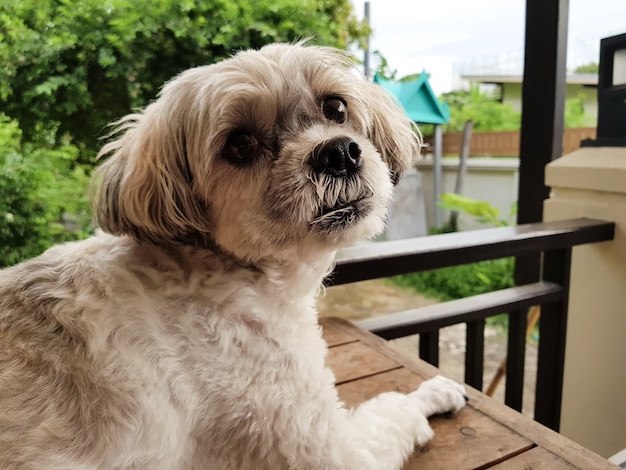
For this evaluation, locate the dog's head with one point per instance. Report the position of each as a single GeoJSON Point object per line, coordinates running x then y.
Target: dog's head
{"type": "Point", "coordinates": [264, 154]}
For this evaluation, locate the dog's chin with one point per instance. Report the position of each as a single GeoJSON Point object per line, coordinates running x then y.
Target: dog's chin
{"type": "Point", "coordinates": [342, 217]}
{"type": "Point", "coordinates": [349, 223]}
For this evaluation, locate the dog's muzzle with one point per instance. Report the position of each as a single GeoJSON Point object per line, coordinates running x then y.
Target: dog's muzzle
{"type": "Point", "coordinates": [345, 201]}
{"type": "Point", "coordinates": [338, 157]}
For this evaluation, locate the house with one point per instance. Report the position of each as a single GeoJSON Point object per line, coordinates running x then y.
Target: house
{"type": "Point", "coordinates": [509, 87]}
{"type": "Point", "coordinates": [417, 98]}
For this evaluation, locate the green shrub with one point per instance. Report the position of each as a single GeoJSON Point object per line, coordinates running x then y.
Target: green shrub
{"type": "Point", "coordinates": [461, 281]}
{"type": "Point", "coordinates": [43, 195]}
{"type": "Point", "coordinates": [483, 108]}
{"type": "Point", "coordinates": [465, 280]}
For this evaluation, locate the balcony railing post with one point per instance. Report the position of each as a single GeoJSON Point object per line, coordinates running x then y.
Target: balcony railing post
{"type": "Point", "coordinates": [429, 347]}
{"type": "Point", "coordinates": [515, 360]}
{"type": "Point", "coordinates": [552, 336]}
{"type": "Point", "coordinates": [475, 353]}
{"type": "Point", "coordinates": [554, 239]}
{"type": "Point", "coordinates": [543, 101]}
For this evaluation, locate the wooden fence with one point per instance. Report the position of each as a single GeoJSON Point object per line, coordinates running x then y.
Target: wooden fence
{"type": "Point", "coordinates": [506, 143]}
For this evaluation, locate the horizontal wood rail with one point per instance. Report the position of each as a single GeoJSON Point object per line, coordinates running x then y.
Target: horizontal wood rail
{"type": "Point", "coordinates": [434, 317]}
{"type": "Point", "coordinates": [554, 240]}
{"type": "Point", "coordinates": [383, 259]}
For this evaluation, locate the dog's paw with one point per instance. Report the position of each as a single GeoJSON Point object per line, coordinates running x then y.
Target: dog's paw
{"type": "Point", "coordinates": [440, 395]}
{"type": "Point", "coordinates": [424, 432]}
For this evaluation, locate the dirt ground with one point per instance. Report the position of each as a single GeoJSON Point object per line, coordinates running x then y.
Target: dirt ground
{"type": "Point", "coordinates": [378, 297]}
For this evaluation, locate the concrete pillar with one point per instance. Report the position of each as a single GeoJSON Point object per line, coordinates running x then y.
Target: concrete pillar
{"type": "Point", "coordinates": [591, 182]}
{"type": "Point", "coordinates": [407, 214]}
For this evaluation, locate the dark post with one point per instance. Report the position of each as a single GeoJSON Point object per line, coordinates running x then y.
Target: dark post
{"type": "Point", "coordinates": [543, 102]}
{"type": "Point", "coordinates": [515, 360]}
{"type": "Point", "coordinates": [429, 347]}
{"type": "Point", "coordinates": [552, 335]}
{"type": "Point", "coordinates": [611, 94]}
{"type": "Point", "coordinates": [475, 353]}
{"type": "Point", "coordinates": [541, 141]}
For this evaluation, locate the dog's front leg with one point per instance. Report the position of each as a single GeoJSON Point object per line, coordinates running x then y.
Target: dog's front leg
{"type": "Point", "coordinates": [390, 425]}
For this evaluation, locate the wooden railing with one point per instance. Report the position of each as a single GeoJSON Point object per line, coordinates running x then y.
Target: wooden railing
{"type": "Point", "coordinates": [507, 143]}
{"type": "Point", "coordinates": [553, 239]}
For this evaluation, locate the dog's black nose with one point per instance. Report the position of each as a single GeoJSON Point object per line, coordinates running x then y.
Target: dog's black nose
{"type": "Point", "coordinates": [340, 156]}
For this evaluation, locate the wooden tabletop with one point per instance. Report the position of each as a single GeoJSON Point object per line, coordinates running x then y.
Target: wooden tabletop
{"type": "Point", "coordinates": [485, 434]}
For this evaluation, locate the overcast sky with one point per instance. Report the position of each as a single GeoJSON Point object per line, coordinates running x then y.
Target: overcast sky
{"type": "Point", "coordinates": [448, 37]}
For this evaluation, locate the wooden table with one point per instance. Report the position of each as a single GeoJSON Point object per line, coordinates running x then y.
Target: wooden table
{"type": "Point", "coordinates": [485, 434]}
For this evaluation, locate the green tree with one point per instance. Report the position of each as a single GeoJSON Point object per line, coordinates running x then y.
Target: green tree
{"type": "Point", "coordinates": [383, 68]}
{"type": "Point", "coordinates": [483, 108]}
{"type": "Point", "coordinates": [592, 67]}
{"type": "Point", "coordinates": [575, 115]}
{"type": "Point", "coordinates": [69, 67]}
{"type": "Point", "coordinates": [20, 216]}
{"type": "Point", "coordinates": [75, 65]}
{"type": "Point", "coordinates": [40, 188]}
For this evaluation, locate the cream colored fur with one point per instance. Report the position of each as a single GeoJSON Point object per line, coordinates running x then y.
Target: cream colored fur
{"type": "Point", "coordinates": [184, 335]}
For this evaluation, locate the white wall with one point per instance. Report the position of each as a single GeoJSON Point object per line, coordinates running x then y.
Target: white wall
{"type": "Point", "coordinates": [494, 180]}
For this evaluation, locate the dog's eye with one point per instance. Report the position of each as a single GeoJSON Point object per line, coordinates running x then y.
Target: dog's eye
{"type": "Point", "coordinates": [241, 147]}
{"type": "Point", "coordinates": [335, 109]}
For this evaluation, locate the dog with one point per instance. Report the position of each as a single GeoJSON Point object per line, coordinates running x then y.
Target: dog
{"type": "Point", "coordinates": [184, 335]}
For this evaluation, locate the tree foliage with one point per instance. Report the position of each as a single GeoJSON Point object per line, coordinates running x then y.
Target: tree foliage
{"type": "Point", "coordinates": [483, 108]}
{"type": "Point", "coordinates": [591, 67]}
{"type": "Point", "coordinates": [76, 65]}
{"type": "Point", "coordinates": [575, 115]}
{"type": "Point", "coordinates": [383, 68]}
{"type": "Point", "coordinates": [70, 67]}
{"type": "Point", "coordinates": [482, 211]}
{"type": "Point", "coordinates": [42, 195]}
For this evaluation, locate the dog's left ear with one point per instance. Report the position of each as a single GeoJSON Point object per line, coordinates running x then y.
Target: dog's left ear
{"type": "Point", "coordinates": [144, 189]}
{"type": "Point", "coordinates": [393, 133]}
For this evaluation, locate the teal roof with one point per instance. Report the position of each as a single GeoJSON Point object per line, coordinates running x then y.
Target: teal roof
{"type": "Point", "coordinates": [417, 98]}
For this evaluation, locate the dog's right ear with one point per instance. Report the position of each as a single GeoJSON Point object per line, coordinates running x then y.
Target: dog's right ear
{"type": "Point", "coordinates": [145, 188]}
{"type": "Point", "coordinates": [395, 136]}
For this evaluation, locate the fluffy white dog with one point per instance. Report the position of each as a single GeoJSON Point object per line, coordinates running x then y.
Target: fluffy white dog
{"type": "Point", "coordinates": [185, 336]}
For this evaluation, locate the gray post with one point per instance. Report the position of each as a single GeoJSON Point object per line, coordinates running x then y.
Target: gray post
{"type": "Point", "coordinates": [366, 52]}
{"type": "Point", "coordinates": [437, 155]}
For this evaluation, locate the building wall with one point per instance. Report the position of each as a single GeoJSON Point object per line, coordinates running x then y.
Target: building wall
{"type": "Point", "coordinates": [512, 94]}
{"type": "Point", "coordinates": [488, 179]}
{"type": "Point", "coordinates": [591, 182]}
